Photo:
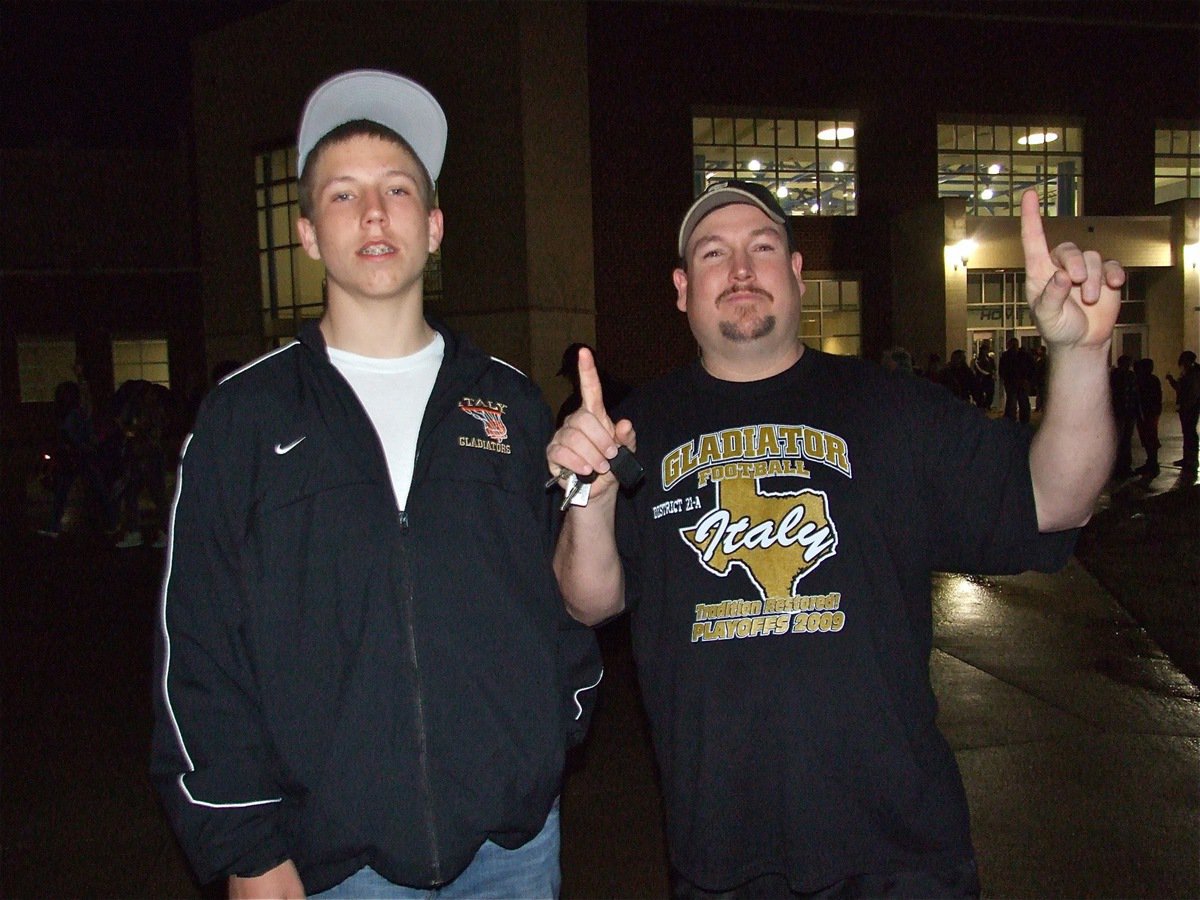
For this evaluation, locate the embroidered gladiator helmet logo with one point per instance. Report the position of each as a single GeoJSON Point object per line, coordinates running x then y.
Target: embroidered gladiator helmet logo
{"type": "Point", "coordinates": [490, 413]}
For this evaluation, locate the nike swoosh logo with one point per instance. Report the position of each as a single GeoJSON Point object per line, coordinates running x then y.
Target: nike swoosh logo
{"type": "Point", "coordinates": [287, 448]}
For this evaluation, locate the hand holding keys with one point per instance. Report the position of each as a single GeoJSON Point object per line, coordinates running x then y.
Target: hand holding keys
{"type": "Point", "coordinates": [625, 467]}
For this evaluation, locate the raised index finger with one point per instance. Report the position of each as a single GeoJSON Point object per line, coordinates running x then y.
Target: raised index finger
{"type": "Point", "coordinates": [1033, 235]}
{"type": "Point", "coordinates": [589, 384]}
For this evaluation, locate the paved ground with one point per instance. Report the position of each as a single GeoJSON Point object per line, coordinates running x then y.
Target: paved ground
{"type": "Point", "coordinates": [1078, 739]}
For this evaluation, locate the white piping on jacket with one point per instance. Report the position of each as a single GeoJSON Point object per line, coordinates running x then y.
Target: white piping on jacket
{"type": "Point", "coordinates": [187, 757]}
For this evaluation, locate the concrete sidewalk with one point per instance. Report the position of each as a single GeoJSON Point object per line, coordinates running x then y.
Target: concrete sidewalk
{"type": "Point", "coordinates": [1077, 739]}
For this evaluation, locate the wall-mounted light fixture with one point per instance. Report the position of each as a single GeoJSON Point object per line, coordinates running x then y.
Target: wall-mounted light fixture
{"type": "Point", "coordinates": [960, 253]}
{"type": "Point", "coordinates": [1191, 256]}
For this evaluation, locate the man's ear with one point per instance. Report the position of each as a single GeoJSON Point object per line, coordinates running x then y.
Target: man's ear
{"type": "Point", "coordinates": [681, 281]}
{"type": "Point", "coordinates": [308, 238]}
{"type": "Point", "coordinates": [798, 269]}
{"type": "Point", "coordinates": [437, 228]}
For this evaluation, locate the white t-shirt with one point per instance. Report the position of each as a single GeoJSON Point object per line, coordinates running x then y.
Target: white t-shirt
{"type": "Point", "coordinates": [394, 392]}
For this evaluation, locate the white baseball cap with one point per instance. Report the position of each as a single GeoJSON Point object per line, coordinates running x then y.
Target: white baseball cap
{"type": "Point", "coordinates": [392, 100]}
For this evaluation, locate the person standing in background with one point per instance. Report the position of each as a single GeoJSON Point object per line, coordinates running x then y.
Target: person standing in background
{"type": "Point", "coordinates": [1187, 401]}
{"type": "Point", "coordinates": [1149, 408]}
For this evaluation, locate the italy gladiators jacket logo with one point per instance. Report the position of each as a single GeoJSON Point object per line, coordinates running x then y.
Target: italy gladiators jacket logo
{"type": "Point", "coordinates": [491, 414]}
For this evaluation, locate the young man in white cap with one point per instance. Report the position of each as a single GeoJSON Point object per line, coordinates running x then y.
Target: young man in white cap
{"type": "Point", "coordinates": [777, 560]}
{"type": "Point", "coordinates": [368, 680]}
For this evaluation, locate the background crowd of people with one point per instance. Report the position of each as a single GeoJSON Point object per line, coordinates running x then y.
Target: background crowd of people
{"type": "Point", "coordinates": [1137, 396]}
{"type": "Point", "coordinates": [118, 452]}
{"type": "Point", "coordinates": [111, 456]}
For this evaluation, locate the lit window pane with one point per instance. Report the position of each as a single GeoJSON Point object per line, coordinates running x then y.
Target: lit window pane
{"type": "Point", "coordinates": [722, 131]}
{"type": "Point", "coordinates": [154, 351]}
{"type": "Point", "coordinates": [702, 130]}
{"type": "Point", "coordinates": [797, 159]}
{"type": "Point", "coordinates": [309, 276]}
{"type": "Point", "coordinates": [712, 158]}
{"type": "Point", "coordinates": [280, 227]}
{"type": "Point", "coordinates": [126, 353]}
{"type": "Point", "coordinates": [1176, 164]}
{"type": "Point", "coordinates": [283, 276]}
{"type": "Point", "coordinates": [946, 137]}
{"type": "Point", "coordinates": [156, 372]}
{"type": "Point", "coordinates": [752, 160]}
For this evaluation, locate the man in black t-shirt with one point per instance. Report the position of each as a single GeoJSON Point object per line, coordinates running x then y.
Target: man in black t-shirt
{"type": "Point", "coordinates": [776, 561]}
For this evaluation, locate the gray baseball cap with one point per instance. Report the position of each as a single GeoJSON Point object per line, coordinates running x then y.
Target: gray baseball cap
{"type": "Point", "coordinates": [392, 100]}
{"type": "Point", "coordinates": [725, 193]}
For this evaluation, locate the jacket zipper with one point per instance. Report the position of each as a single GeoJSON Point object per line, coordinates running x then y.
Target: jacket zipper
{"type": "Point", "coordinates": [419, 702]}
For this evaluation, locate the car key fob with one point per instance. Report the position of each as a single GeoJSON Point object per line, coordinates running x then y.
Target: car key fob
{"type": "Point", "coordinates": [626, 467]}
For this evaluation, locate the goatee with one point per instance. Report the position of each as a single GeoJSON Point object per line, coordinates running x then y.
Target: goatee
{"type": "Point", "coordinates": [732, 331]}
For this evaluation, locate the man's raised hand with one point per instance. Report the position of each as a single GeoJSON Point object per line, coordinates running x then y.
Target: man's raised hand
{"type": "Point", "coordinates": [588, 439]}
{"type": "Point", "coordinates": [1073, 295]}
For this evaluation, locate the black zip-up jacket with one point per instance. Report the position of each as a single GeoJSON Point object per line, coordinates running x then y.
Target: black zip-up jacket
{"type": "Point", "coordinates": [342, 683]}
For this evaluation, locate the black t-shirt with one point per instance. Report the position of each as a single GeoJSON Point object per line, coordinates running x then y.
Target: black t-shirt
{"type": "Point", "coordinates": [778, 560]}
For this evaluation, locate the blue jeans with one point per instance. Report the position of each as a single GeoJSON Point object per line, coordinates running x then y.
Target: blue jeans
{"type": "Point", "coordinates": [530, 871]}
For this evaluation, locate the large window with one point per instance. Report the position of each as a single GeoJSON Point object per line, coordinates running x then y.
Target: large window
{"type": "Point", "coordinates": [992, 164]}
{"type": "Point", "coordinates": [143, 359]}
{"type": "Point", "coordinates": [41, 364]}
{"type": "Point", "coordinates": [831, 318]}
{"type": "Point", "coordinates": [1176, 163]}
{"type": "Point", "coordinates": [293, 285]}
{"type": "Point", "coordinates": [809, 163]}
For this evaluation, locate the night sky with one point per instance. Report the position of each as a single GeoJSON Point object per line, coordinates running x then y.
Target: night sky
{"type": "Point", "coordinates": [118, 72]}
{"type": "Point", "coordinates": [101, 74]}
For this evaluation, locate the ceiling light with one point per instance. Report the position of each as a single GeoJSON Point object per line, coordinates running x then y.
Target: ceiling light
{"type": "Point", "coordinates": [781, 192]}
{"type": "Point", "coordinates": [816, 207]}
{"type": "Point", "coordinates": [838, 166]}
{"type": "Point", "coordinates": [987, 194]}
{"type": "Point", "coordinates": [1037, 138]}
{"type": "Point", "coordinates": [841, 133]}
{"type": "Point", "coordinates": [994, 169]}
{"type": "Point", "coordinates": [754, 165]}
